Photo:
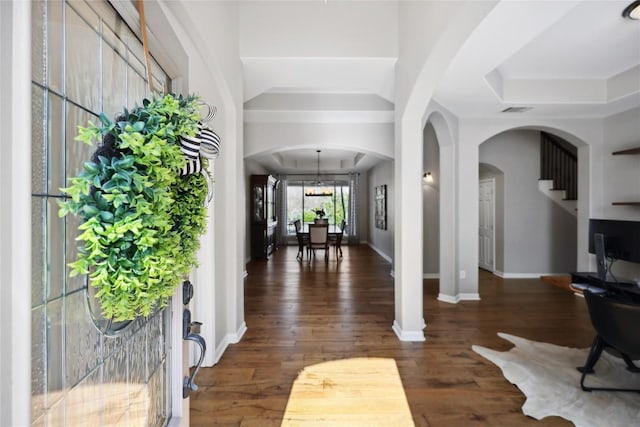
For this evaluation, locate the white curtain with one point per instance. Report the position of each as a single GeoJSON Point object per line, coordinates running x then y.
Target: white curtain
{"type": "Point", "coordinates": [282, 209]}
{"type": "Point", "coordinates": [352, 226]}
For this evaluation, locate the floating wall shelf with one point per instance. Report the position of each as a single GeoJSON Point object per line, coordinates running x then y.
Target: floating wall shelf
{"type": "Point", "coordinates": [635, 150]}
{"type": "Point", "coordinates": [629, 151]}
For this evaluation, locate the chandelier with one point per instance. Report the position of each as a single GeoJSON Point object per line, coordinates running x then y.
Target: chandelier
{"type": "Point", "coordinates": [320, 189]}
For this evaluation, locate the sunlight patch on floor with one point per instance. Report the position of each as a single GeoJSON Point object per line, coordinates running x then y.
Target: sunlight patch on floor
{"type": "Point", "coordinates": [350, 392]}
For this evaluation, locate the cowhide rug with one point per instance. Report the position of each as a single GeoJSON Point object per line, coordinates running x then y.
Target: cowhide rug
{"type": "Point", "coordinates": [546, 374]}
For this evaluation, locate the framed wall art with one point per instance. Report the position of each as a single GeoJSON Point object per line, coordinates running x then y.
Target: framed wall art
{"type": "Point", "coordinates": [381, 207]}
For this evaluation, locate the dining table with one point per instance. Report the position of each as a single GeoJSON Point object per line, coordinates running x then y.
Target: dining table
{"type": "Point", "coordinates": [333, 229]}
{"type": "Point", "coordinates": [334, 232]}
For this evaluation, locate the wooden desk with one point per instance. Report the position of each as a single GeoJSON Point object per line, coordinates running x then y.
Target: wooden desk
{"type": "Point", "coordinates": [563, 282]}
{"type": "Point", "coordinates": [590, 280]}
{"type": "Point", "coordinates": [623, 287]}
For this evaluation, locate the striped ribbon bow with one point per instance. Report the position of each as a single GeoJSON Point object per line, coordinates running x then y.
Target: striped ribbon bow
{"type": "Point", "coordinates": [206, 143]}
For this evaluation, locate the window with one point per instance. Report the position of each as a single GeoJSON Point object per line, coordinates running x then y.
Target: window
{"type": "Point", "coordinates": [305, 208]}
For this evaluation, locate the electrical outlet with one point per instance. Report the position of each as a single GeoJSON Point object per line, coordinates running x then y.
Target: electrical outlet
{"type": "Point", "coordinates": [463, 274]}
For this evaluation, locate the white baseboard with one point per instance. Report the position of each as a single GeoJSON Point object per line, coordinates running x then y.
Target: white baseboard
{"type": "Point", "coordinates": [382, 254]}
{"type": "Point", "coordinates": [233, 338]}
{"type": "Point", "coordinates": [523, 275]}
{"type": "Point", "coordinates": [448, 298]}
{"type": "Point", "coordinates": [459, 297]}
{"type": "Point", "coordinates": [413, 336]}
{"type": "Point", "coordinates": [431, 276]}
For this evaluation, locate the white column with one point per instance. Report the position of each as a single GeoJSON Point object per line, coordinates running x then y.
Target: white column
{"type": "Point", "coordinates": [409, 318]}
{"type": "Point", "coordinates": [467, 214]}
{"type": "Point", "coordinates": [448, 266]}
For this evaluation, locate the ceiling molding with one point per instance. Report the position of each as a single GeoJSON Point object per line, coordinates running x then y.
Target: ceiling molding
{"type": "Point", "coordinates": [269, 116]}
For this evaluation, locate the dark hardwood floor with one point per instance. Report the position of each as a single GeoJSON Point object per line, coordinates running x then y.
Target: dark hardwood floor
{"type": "Point", "coordinates": [298, 315]}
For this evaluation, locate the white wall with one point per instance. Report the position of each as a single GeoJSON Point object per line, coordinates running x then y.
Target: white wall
{"type": "Point", "coordinates": [372, 138]}
{"type": "Point", "coordinates": [333, 28]}
{"type": "Point", "coordinates": [431, 204]}
{"type": "Point", "coordinates": [621, 177]}
{"type": "Point", "coordinates": [215, 73]}
{"type": "Point", "coordinates": [539, 236]}
{"type": "Point", "coordinates": [381, 240]}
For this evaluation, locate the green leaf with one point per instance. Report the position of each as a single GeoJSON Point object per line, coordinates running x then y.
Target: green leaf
{"type": "Point", "coordinates": [138, 126]}
{"type": "Point", "coordinates": [105, 120]}
{"type": "Point", "coordinates": [106, 216]}
{"type": "Point", "coordinates": [90, 210]}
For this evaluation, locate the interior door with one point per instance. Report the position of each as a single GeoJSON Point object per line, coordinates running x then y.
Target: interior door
{"type": "Point", "coordinates": [486, 240]}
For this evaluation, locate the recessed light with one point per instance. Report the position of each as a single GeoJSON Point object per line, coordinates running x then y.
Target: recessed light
{"type": "Point", "coordinates": [632, 11]}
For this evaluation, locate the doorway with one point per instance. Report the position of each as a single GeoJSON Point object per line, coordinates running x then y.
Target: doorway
{"type": "Point", "coordinates": [486, 229]}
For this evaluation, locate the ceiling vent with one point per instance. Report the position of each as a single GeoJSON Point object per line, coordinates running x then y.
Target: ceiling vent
{"type": "Point", "coordinates": [517, 109]}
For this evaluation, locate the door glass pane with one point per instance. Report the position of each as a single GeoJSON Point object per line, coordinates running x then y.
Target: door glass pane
{"type": "Point", "coordinates": [114, 89]}
{"type": "Point", "coordinates": [136, 88]}
{"type": "Point", "coordinates": [38, 363]}
{"type": "Point", "coordinates": [82, 72]}
{"type": "Point", "coordinates": [38, 10]}
{"type": "Point", "coordinates": [80, 376]}
{"type": "Point", "coordinates": [38, 276]}
{"type": "Point", "coordinates": [55, 52]}
{"type": "Point", "coordinates": [55, 351]}
{"type": "Point", "coordinates": [84, 403]}
{"type": "Point", "coordinates": [55, 249]}
{"type": "Point", "coordinates": [115, 388]}
{"type": "Point", "coordinates": [71, 253]}
{"type": "Point", "coordinates": [55, 151]}
{"type": "Point", "coordinates": [82, 348]}
{"type": "Point", "coordinates": [38, 143]}
{"type": "Point", "coordinates": [76, 152]}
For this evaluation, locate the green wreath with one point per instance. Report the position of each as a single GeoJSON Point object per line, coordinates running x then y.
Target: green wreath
{"type": "Point", "coordinates": [141, 220]}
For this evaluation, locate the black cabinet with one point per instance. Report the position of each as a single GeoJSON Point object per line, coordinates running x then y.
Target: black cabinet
{"type": "Point", "coordinates": [263, 215]}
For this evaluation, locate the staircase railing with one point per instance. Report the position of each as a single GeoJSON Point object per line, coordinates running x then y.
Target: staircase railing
{"type": "Point", "coordinates": [559, 162]}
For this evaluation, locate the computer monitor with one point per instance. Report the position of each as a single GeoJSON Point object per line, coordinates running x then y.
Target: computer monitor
{"type": "Point", "coordinates": [621, 239]}
{"type": "Point", "coordinates": [601, 257]}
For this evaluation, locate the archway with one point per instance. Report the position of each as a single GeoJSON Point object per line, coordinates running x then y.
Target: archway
{"type": "Point", "coordinates": [532, 221]}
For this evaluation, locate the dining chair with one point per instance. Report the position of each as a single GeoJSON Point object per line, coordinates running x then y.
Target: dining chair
{"type": "Point", "coordinates": [302, 239]}
{"type": "Point", "coordinates": [337, 240]}
{"type": "Point", "coordinates": [318, 239]}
